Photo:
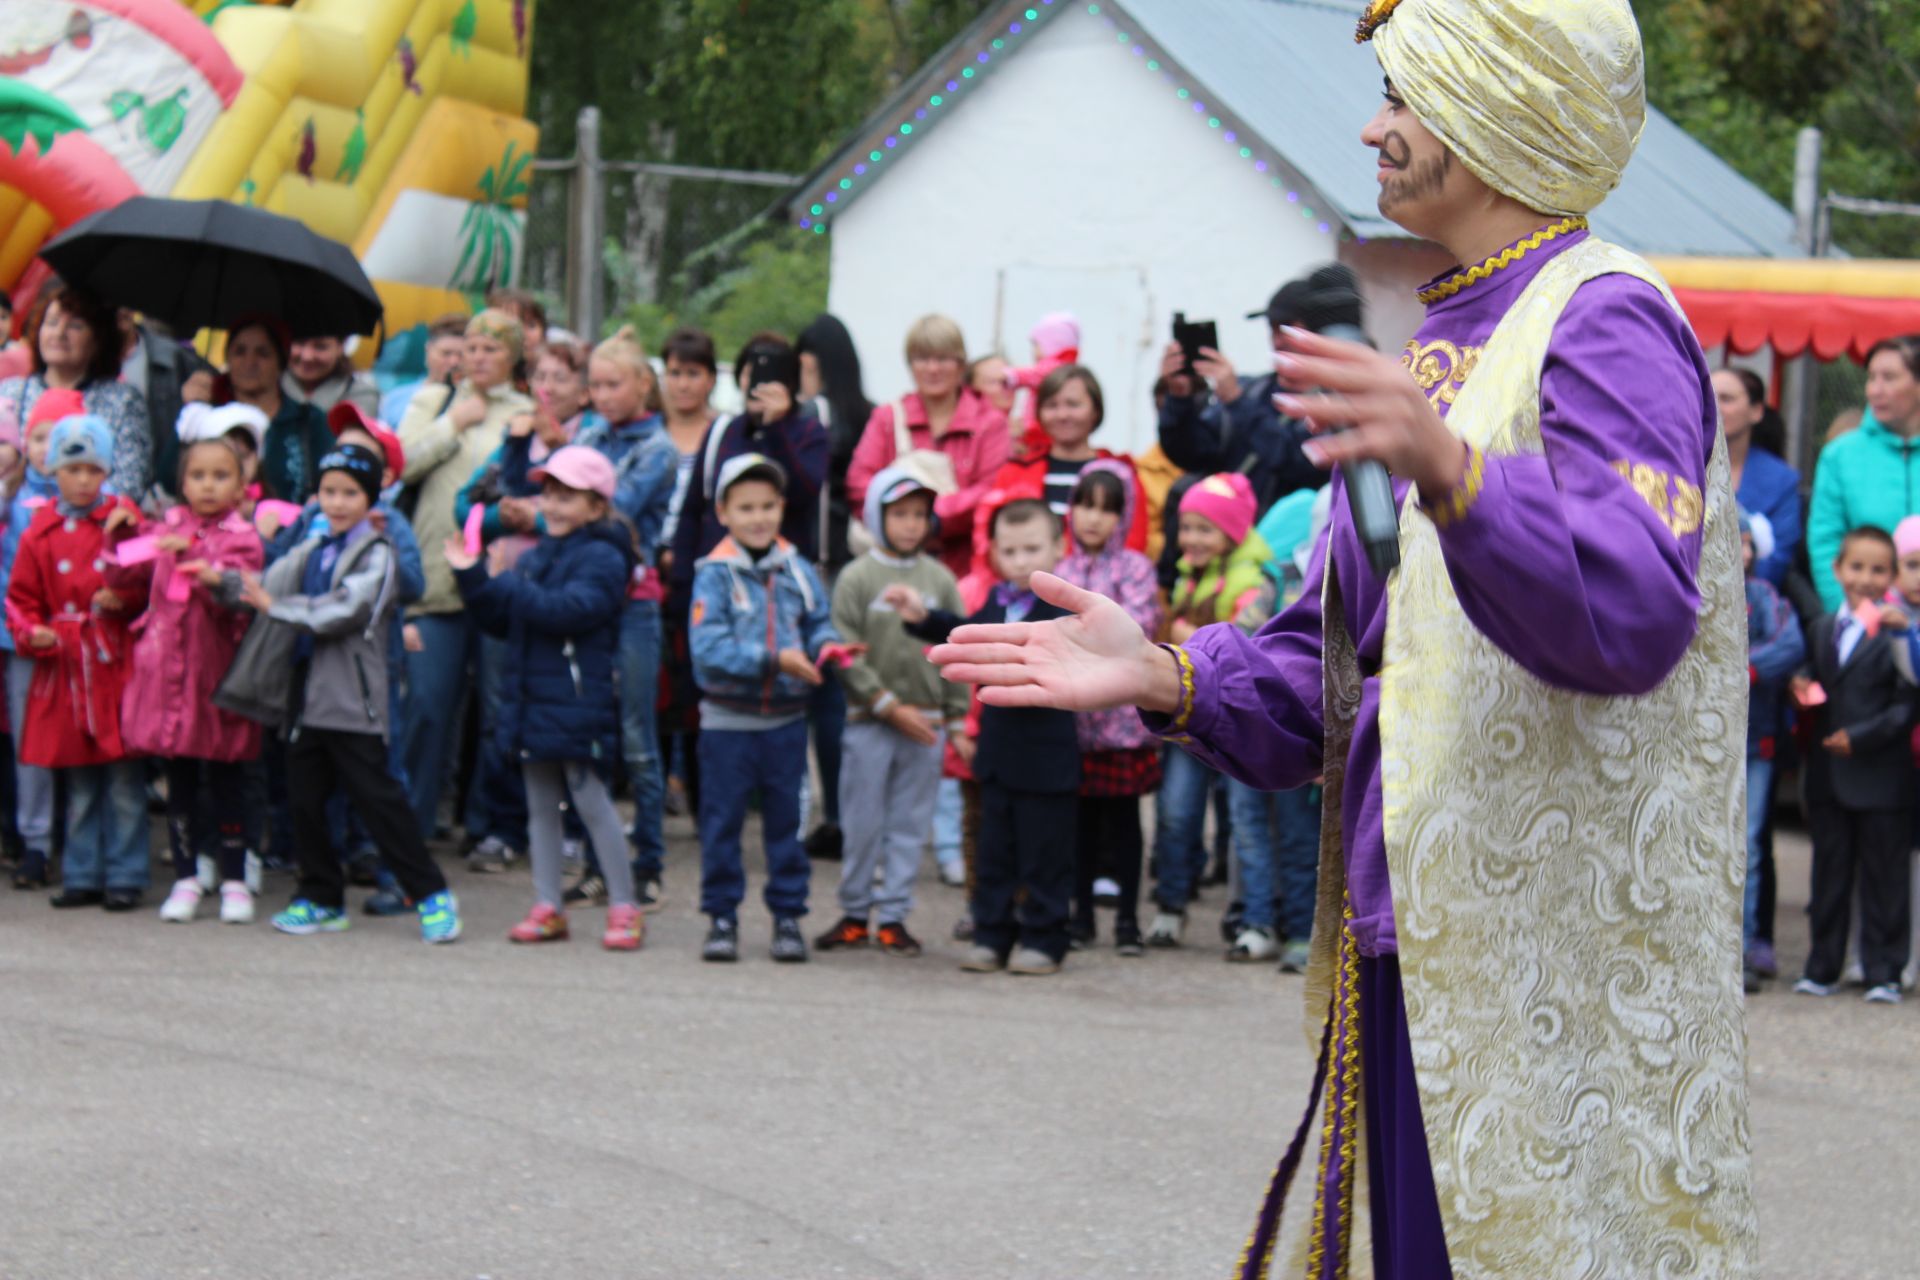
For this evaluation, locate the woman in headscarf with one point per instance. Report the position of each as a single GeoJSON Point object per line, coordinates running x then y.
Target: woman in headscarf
{"type": "Point", "coordinates": [1525, 984]}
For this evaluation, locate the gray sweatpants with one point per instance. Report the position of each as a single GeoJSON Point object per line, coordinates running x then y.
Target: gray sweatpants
{"type": "Point", "coordinates": [887, 789]}
{"type": "Point", "coordinates": [549, 783]}
{"type": "Point", "coordinates": [32, 786]}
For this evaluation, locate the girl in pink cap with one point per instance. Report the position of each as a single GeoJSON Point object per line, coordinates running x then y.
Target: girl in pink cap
{"type": "Point", "coordinates": [558, 609]}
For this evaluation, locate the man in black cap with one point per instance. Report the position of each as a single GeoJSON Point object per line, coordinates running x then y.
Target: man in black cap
{"type": "Point", "coordinates": [1236, 427]}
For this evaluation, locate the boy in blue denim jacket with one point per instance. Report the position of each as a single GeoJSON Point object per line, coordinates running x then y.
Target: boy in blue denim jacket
{"type": "Point", "coordinates": [759, 619]}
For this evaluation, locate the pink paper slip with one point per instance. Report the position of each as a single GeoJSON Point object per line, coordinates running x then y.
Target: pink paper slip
{"type": "Point", "coordinates": [1868, 615]}
{"type": "Point", "coordinates": [476, 518]}
{"type": "Point", "coordinates": [1814, 696]}
{"type": "Point", "coordinates": [136, 550]}
{"type": "Point", "coordinates": [836, 655]}
{"type": "Point", "coordinates": [285, 512]}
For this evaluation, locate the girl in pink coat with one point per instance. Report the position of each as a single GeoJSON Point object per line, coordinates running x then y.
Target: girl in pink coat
{"type": "Point", "coordinates": [188, 566]}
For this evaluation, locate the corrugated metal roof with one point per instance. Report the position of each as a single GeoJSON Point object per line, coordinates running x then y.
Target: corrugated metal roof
{"type": "Point", "coordinates": [1291, 71]}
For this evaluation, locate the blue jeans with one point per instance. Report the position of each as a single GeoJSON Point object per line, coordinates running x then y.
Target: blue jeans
{"type": "Point", "coordinates": [436, 686]}
{"type": "Point", "coordinates": [1276, 838]}
{"type": "Point", "coordinates": [1759, 778]}
{"type": "Point", "coordinates": [497, 800]}
{"type": "Point", "coordinates": [640, 736]}
{"type": "Point", "coordinates": [734, 764]}
{"type": "Point", "coordinates": [949, 815]}
{"type": "Point", "coordinates": [107, 827]}
{"type": "Point", "coordinates": [1178, 854]}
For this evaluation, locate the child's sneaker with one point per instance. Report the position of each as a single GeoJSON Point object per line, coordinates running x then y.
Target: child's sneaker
{"type": "Point", "coordinates": [954, 874]}
{"type": "Point", "coordinates": [789, 944]}
{"type": "Point", "coordinates": [1032, 963]}
{"type": "Point", "coordinates": [723, 942]}
{"type": "Point", "coordinates": [304, 916]}
{"type": "Point", "coordinates": [844, 936]}
{"type": "Point", "coordinates": [1295, 956]}
{"type": "Point", "coordinates": [896, 941]}
{"type": "Point", "coordinates": [981, 958]}
{"type": "Point", "coordinates": [1808, 987]}
{"type": "Point", "coordinates": [1126, 938]}
{"type": "Point", "coordinates": [183, 902]}
{"type": "Point", "coordinates": [589, 890]}
{"type": "Point", "coordinates": [491, 856]}
{"type": "Point", "coordinates": [236, 902]}
{"type": "Point", "coordinates": [963, 929]}
{"type": "Point", "coordinates": [1761, 960]}
{"type": "Point", "coordinates": [626, 929]}
{"type": "Point", "coordinates": [1166, 929]}
{"type": "Point", "coordinates": [1254, 943]}
{"type": "Point", "coordinates": [439, 917]}
{"type": "Point", "coordinates": [652, 894]}
{"type": "Point", "coordinates": [1885, 993]}
{"type": "Point", "coordinates": [543, 924]}
{"type": "Point", "coordinates": [1081, 934]}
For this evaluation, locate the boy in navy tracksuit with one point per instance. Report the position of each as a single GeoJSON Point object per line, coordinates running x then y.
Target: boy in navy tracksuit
{"type": "Point", "coordinates": [1028, 767]}
{"type": "Point", "coordinates": [759, 619]}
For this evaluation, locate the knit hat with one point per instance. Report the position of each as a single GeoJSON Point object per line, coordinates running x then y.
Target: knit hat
{"type": "Point", "coordinates": [1906, 537]}
{"type": "Point", "coordinates": [348, 414]}
{"type": "Point", "coordinates": [1227, 500]}
{"type": "Point", "coordinates": [206, 422]}
{"type": "Point", "coordinates": [80, 438]}
{"type": "Point", "coordinates": [359, 463]}
{"type": "Point", "coordinates": [502, 328]}
{"type": "Point", "coordinates": [1057, 336]}
{"type": "Point", "coordinates": [54, 404]}
{"type": "Point", "coordinates": [581, 467]}
{"type": "Point", "coordinates": [749, 466]}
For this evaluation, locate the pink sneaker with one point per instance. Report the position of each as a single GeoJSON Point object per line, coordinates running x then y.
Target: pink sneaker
{"type": "Point", "coordinates": [543, 924]}
{"type": "Point", "coordinates": [626, 929]}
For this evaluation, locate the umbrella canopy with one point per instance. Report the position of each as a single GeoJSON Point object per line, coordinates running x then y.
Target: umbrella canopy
{"type": "Point", "coordinates": [203, 264]}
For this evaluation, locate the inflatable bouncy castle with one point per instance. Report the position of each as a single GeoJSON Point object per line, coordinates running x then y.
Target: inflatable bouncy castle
{"type": "Point", "coordinates": [394, 126]}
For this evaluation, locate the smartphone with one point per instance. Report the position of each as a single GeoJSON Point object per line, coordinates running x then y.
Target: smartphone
{"type": "Point", "coordinates": [1193, 335]}
{"type": "Point", "coordinates": [782, 367]}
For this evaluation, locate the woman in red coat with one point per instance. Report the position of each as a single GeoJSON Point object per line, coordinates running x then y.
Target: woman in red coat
{"type": "Point", "coordinates": [1071, 409]}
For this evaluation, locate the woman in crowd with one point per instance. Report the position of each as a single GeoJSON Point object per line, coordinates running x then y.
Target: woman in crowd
{"type": "Point", "coordinates": [941, 415]}
{"type": "Point", "coordinates": [1870, 475]}
{"type": "Point", "coordinates": [1763, 483]}
{"type": "Point", "coordinates": [297, 435]}
{"type": "Point", "coordinates": [446, 439]}
{"type": "Point", "coordinates": [1071, 408]}
{"type": "Point", "coordinates": [691, 374]}
{"type": "Point", "coordinates": [320, 372]}
{"type": "Point", "coordinates": [830, 385]}
{"type": "Point", "coordinates": [74, 340]}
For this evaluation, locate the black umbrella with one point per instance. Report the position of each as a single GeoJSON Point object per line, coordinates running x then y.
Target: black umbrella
{"type": "Point", "coordinates": [203, 264]}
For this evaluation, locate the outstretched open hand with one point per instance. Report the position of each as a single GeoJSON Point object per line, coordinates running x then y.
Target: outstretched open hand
{"type": "Point", "coordinates": [1094, 659]}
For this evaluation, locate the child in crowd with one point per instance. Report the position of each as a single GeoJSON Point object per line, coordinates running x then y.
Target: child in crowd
{"type": "Point", "coordinates": [897, 706]}
{"type": "Point", "coordinates": [1119, 758]}
{"type": "Point", "coordinates": [1028, 768]}
{"type": "Point", "coordinates": [1775, 649]}
{"type": "Point", "coordinates": [33, 785]}
{"type": "Point", "coordinates": [631, 436]}
{"type": "Point", "coordinates": [1222, 569]}
{"type": "Point", "coordinates": [187, 641]}
{"type": "Point", "coordinates": [758, 621]}
{"type": "Point", "coordinates": [61, 611]}
{"type": "Point", "coordinates": [1859, 777]}
{"type": "Point", "coordinates": [558, 611]}
{"type": "Point", "coordinates": [315, 661]}
{"type": "Point", "coordinates": [1900, 617]}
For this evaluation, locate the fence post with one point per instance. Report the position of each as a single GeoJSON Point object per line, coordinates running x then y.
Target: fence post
{"type": "Point", "coordinates": [1800, 396]}
{"type": "Point", "coordinates": [586, 293]}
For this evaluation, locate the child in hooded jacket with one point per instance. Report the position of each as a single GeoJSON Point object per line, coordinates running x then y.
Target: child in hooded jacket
{"type": "Point", "coordinates": [61, 611]}
{"type": "Point", "coordinates": [1223, 567]}
{"type": "Point", "coordinates": [32, 785]}
{"type": "Point", "coordinates": [1119, 758]}
{"type": "Point", "coordinates": [558, 613]}
{"type": "Point", "coordinates": [187, 641]}
{"type": "Point", "coordinates": [899, 711]}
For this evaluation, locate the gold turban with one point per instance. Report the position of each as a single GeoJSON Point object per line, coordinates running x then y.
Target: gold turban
{"type": "Point", "coordinates": [1542, 100]}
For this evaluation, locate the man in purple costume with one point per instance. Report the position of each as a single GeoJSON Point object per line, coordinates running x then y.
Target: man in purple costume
{"type": "Point", "coordinates": [1583, 557]}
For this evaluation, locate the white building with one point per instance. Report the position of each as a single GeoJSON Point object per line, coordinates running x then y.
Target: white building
{"type": "Point", "coordinates": [1129, 159]}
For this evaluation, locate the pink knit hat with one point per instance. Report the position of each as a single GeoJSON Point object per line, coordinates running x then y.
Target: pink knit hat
{"type": "Point", "coordinates": [1906, 537]}
{"type": "Point", "coordinates": [1227, 500]}
{"type": "Point", "coordinates": [1057, 336]}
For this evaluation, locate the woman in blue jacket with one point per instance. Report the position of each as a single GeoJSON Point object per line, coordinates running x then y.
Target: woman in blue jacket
{"type": "Point", "coordinates": [559, 612]}
{"type": "Point", "coordinates": [1763, 483]}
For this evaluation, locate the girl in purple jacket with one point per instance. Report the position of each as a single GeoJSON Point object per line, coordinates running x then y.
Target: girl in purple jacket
{"type": "Point", "coordinates": [1119, 759]}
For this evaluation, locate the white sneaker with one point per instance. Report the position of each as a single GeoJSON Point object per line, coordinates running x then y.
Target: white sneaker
{"type": "Point", "coordinates": [182, 903]}
{"type": "Point", "coordinates": [1808, 987]}
{"type": "Point", "coordinates": [236, 903]}
{"type": "Point", "coordinates": [953, 874]}
{"type": "Point", "coordinates": [1254, 943]}
{"type": "Point", "coordinates": [1166, 929]}
{"type": "Point", "coordinates": [207, 872]}
{"type": "Point", "coordinates": [1106, 891]}
{"type": "Point", "coordinates": [1885, 993]}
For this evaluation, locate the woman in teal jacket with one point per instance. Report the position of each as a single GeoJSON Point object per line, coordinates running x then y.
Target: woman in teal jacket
{"type": "Point", "coordinates": [1872, 475]}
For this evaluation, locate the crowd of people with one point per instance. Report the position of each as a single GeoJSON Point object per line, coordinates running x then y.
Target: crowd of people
{"type": "Point", "coordinates": [333, 622]}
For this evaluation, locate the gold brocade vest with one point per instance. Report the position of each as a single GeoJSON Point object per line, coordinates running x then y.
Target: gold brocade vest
{"type": "Point", "coordinates": [1567, 876]}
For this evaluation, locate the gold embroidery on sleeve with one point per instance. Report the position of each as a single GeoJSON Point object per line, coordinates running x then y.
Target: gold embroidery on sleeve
{"type": "Point", "coordinates": [1681, 511]}
{"type": "Point", "coordinates": [1440, 369]}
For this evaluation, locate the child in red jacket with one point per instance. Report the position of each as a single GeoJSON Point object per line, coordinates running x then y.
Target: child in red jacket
{"type": "Point", "coordinates": [75, 629]}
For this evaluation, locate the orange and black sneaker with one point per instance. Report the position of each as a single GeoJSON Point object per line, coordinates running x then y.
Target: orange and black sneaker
{"type": "Point", "coordinates": [896, 941]}
{"type": "Point", "coordinates": [848, 933]}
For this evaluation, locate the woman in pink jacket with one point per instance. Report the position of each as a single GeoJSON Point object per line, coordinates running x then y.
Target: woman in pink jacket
{"type": "Point", "coordinates": [942, 415]}
{"type": "Point", "coordinates": [188, 566]}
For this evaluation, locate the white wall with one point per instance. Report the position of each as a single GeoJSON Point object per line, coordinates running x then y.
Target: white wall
{"type": "Point", "coordinates": [1071, 159]}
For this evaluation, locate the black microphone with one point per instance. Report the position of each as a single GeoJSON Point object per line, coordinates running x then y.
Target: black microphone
{"type": "Point", "coordinates": [1376, 516]}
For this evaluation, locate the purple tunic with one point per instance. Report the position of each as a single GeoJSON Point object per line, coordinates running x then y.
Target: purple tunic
{"type": "Point", "coordinates": [1564, 562]}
